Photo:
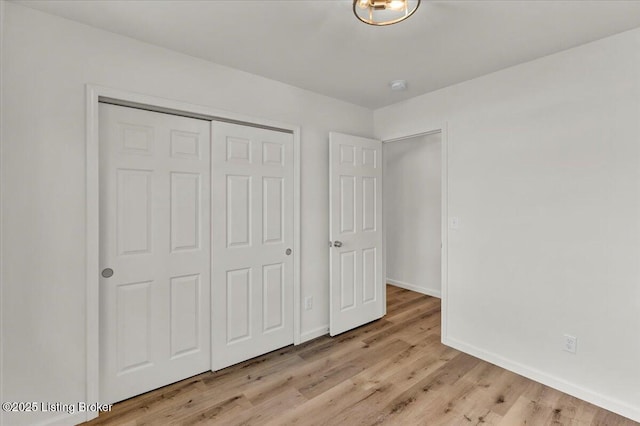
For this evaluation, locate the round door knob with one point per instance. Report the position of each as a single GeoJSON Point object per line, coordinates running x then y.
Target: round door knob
{"type": "Point", "coordinates": [107, 272]}
{"type": "Point", "coordinates": [288, 252]}
{"type": "Point", "coordinates": [337, 243]}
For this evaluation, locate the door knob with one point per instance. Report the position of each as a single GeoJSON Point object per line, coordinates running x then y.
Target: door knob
{"type": "Point", "coordinates": [337, 243]}
{"type": "Point", "coordinates": [288, 252]}
{"type": "Point", "coordinates": [107, 272]}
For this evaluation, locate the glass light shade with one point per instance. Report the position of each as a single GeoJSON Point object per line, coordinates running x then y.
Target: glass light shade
{"type": "Point", "coordinates": [384, 12]}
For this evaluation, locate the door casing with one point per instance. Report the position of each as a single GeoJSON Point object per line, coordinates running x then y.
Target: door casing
{"type": "Point", "coordinates": [95, 94]}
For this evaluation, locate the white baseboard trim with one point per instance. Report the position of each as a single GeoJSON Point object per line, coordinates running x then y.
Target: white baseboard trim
{"type": "Point", "coordinates": [312, 334]}
{"type": "Point", "coordinates": [417, 289]}
{"type": "Point", "coordinates": [65, 420]}
{"type": "Point", "coordinates": [572, 389]}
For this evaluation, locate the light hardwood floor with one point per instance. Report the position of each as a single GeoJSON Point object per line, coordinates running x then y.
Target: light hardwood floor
{"type": "Point", "coordinates": [393, 371]}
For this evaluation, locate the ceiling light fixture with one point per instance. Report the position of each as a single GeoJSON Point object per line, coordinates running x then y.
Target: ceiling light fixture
{"type": "Point", "coordinates": [384, 12]}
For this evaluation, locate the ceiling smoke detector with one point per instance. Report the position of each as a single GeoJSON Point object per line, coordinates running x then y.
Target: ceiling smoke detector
{"type": "Point", "coordinates": [398, 85]}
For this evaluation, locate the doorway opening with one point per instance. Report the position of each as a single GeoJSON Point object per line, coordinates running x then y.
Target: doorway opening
{"type": "Point", "coordinates": [388, 199]}
{"type": "Point", "coordinates": [413, 213]}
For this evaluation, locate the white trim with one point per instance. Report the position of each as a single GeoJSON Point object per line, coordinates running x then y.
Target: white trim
{"type": "Point", "coordinates": [92, 266]}
{"type": "Point", "coordinates": [2, 321]}
{"type": "Point", "coordinates": [65, 419]}
{"type": "Point", "coordinates": [595, 398]}
{"type": "Point", "coordinates": [384, 232]}
{"type": "Point", "coordinates": [415, 135]}
{"type": "Point", "coordinates": [413, 287]}
{"type": "Point", "coordinates": [297, 291]}
{"type": "Point", "coordinates": [444, 231]}
{"type": "Point", "coordinates": [92, 269]}
{"type": "Point", "coordinates": [315, 333]}
{"type": "Point", "coordinates": [443, 129]}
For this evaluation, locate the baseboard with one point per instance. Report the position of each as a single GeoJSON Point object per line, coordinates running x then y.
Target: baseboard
{"type": "Point", "coordinates": [590, 396]}
{"type": "Point", "coordinates": [312, 334]}
{"type": "Point", "coordinates": [417, 289]}
{"type": "Point", "coordinates": [65, 420]}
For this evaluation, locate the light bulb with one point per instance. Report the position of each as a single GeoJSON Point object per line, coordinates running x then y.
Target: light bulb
{"type": "Point", "coordinates": [396, 4]}
{"type": "Point", "coordinates": [363, 3]}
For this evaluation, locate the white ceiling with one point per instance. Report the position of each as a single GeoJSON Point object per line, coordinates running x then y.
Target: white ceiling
{"type": "Point", "coordinates": [320, 46]}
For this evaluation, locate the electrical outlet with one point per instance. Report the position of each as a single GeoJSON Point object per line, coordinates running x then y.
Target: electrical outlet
{"type": "Point", "coordinates": [308, 303]}
{"type": "Point", "coordinates": [570, 343]}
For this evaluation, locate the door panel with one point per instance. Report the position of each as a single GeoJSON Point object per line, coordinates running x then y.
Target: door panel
{"type": "Point", "coordinates": [133, 321]}
{"type": "Point", "coordinates": [273, 209]}
{"type": "Point", "coordinates": [356, 223]}
{"type": "Point", "coordinates": [154, 235]}
{"type": "Point", "coordinates": [347, 204]}
{"type": "Point", "coordinates": [273, 307]}
{"type": "Point", "coordinates": [185, 211]}
{"type": "Point", "coordinates": [133, 203]}
{"type": "Point", "coordinates": [238, 224]}
{"type": "Point", "coordinates": [238, 305]}
{"type": "Point", "coordinates": [185, 307]}
{"type": "Point", "coordinates": [347, 279]}
{"type": "Point", "coordinates": [369, 274]}
{"type": "Point", "coordinates": [369, 204]}
{"type": "Point", "coordinates": [252, 207]}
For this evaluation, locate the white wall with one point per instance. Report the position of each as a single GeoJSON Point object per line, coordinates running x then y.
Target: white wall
{"type": "Point", "coordinates": [544, 175]}
{"type": "Point", "coordinates": [412, 195]}
{"type": "Point", "coordinates": [48, 61]}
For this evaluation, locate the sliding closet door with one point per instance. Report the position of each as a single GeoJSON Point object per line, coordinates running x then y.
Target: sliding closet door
{"type": "Point", "coordinates": [154, 250]}
{"type": "Point", "coordinates": [252, 260]}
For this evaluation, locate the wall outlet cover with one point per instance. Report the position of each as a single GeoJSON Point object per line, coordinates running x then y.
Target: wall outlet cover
{"type": "Point", "coordinates": [570, 343]}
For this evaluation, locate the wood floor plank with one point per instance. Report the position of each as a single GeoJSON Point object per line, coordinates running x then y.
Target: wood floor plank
{"type": "Point", "coordinates": [328, 378]}
{"type": "Point", "coordinates": [393, 371]}
{"type": "Point", "coordinates": [404, 305]}
{"type": "Point", "coordinates": [324, 408]}
{"type": "Point", "coordinates": [268, 410]}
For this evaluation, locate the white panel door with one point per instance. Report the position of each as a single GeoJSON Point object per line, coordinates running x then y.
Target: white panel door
{"type": "Point", "coordinates": [154, 236]}
{"type": "Point", "coordinates": [252, 208]}
{"type": "Point", "coordinates": [357, 282]}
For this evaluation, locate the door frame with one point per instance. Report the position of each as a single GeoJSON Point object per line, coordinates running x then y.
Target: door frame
{"type": "Point", "coordinates": [444, 218]}
{"type": "Point", "coordinates": [93, 95]}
